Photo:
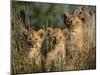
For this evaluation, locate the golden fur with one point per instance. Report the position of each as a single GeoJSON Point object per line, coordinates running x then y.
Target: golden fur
{"type": "Point", "coordinates": [56, 55]}
{"type": "Point", "coordinates": [34, 42]}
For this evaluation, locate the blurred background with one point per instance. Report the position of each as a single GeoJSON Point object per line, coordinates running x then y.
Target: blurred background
{"type": "Point", "coordinates": [38, 15]}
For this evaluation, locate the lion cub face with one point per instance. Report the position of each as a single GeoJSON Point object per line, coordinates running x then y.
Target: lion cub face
{"type": "Point", "coordinates": [34, 39]}
{"type": "Point", "coordinates": [74, 22]}
{"type": "Point", "coordinates": [57, 36]}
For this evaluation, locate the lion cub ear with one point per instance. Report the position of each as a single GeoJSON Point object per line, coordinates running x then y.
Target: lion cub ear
{"type": "Point", "coordinates": [66, 16]}
{"type": "Point", "coordinates": [25, 33]}
{"type": "Point", "coordinates": [79, 12]}
{"type": "Point", "coordinates": [42, 33]}
{"type": "Point", "coordinates": [49, 30]}
{"type": "Point", "coordinates": [65, 32]}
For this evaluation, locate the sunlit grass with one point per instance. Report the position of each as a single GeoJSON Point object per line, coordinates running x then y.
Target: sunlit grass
{"type": "Point", "coordinates": [21, 63]}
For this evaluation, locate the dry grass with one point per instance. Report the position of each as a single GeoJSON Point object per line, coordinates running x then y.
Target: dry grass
{"type": "Point", "coordinates": [74, 60]}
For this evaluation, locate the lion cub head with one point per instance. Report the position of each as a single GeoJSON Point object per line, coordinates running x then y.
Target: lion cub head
{"type": "Point", "coordinates": [34, 39]}
{"type": "Point", "coordinates": [57, 36]}
{"type": "Point", "coordinates": [74, 22]}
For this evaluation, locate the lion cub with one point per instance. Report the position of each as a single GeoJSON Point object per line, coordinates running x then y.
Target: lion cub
{"type": "Point", "coordinates": [34, 41]}
{"type": "Point", "coordinates": [75, 25]}
{"type": "Point", "coordinates": [56, 54]}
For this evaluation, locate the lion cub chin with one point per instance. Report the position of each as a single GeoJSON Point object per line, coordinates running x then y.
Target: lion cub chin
{"type": "Point", "coordinates": [34, 41]}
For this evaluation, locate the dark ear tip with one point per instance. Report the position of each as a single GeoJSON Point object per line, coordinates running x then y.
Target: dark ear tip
{"type": "Point", "coordinates": [42, 33]}
{"type": "Point", "coordinates": [83, 19]}
{"type": "Point", "coordinates": [65, 15]}
{"type": "Point", "coordinates": [24, 34]}
{"type": "Point", "coordinates": [49, 29]}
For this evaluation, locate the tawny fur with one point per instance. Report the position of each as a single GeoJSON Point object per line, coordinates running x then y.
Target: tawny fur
{"type": "Point", "coordinates": [56, 55]}
{"type": "Point", "coordinates": [34, 41]}
{"type": "Point", "coordinates": [76, 32]}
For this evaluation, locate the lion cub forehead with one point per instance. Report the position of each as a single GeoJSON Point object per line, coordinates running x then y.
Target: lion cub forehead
{"type": "Point", "coordinates": [35, 34]}
{"type": "Point", "coordinates": [39, 34]}
{"type": "Point", "coordinates": [57, 30]}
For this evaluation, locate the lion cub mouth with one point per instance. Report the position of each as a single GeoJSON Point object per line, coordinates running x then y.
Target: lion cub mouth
{"type": "Point", "coordinates": [31, 45]}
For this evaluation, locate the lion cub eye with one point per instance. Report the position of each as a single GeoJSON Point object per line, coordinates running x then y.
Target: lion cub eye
{"type": "Point", "coordinates": [60, 37]}
{"type": "Point", "coordinates": [53, 37]}
{"type": "Point", "coordinates": [77, 22]}
{"type": "Point", "coordinates": [36, 39]}
{"type": "Point", "coordinates": [29, 38]}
